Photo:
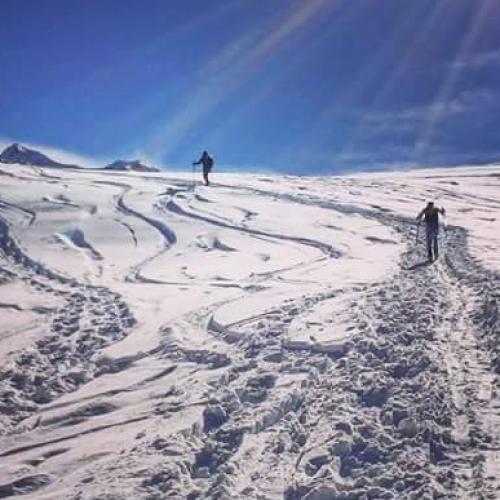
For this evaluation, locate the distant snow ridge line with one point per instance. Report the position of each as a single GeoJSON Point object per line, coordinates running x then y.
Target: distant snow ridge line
{"type": "Point", "coordinates": [91, 319]}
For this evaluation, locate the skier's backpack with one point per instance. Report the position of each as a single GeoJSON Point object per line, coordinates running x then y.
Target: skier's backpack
{"type": "Point", "coordinates": [209, 162]}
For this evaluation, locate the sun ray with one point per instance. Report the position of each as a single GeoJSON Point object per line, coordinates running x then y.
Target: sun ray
{"type": "Point", "coordinates": [239, 61]}
{"type": "Point", "coordinates": [316, 43]}
{"type": "Point", "coordinates": [434, 16]}
{"type": "Point", "coordinates": [445, 92]}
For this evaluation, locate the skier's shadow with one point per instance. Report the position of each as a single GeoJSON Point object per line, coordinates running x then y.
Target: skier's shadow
{"type": "Point", "coordinates": [418, 265]}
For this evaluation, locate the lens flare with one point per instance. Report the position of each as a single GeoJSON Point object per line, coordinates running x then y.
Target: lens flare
{"type": "Point", "coordinates": [233, 67]}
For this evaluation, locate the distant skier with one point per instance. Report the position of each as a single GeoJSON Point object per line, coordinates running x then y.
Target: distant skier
{"type": "Point", "coordinates": [430, 214]}
{"type": "Point", "coordinates": [207, 162]}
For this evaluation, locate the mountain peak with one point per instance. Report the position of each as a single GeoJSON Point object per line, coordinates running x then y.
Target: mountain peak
{"type": "Point", "coordinates": [19, 154]}
{"type": "Point", "coordinates": [18, 147]}
{"type": "Point", "coordinates": [130, 165]}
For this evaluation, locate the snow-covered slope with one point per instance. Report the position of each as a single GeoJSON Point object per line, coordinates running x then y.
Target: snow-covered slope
{"type": "Point", "coordinates": [264, 337]}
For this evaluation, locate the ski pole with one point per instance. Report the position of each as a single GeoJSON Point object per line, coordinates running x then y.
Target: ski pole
{"type": "Point", "coordinates": [445, 230]}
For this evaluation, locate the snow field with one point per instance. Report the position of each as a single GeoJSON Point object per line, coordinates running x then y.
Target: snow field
{"type": "Point", "coordinates": [266, 337]}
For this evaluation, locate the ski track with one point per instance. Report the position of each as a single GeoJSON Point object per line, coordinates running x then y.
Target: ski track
{"type": "Point", "coordinates": [165, 231]}
{"type": "Point", "coordinates": [68, 356]}
{"type": "Point", "coordinates": [375, 414]}
{"type": "Point", "coordinates": [173, 207]}
{"type": "Point", "coordinates": [168, 235]}
{"type": "Point", "coordinates": [409, 411]}
{"type": "Point", "coordinates": [26, 212]}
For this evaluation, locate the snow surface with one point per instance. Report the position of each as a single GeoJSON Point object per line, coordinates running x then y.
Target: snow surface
{"type": "Point", "coordinates": [264, 337]}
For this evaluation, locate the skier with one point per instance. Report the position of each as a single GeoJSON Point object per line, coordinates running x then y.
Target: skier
{"type": "Point", "coordinates": [207, 162]}
{"type": "Point", "coordinates": [430, 214]}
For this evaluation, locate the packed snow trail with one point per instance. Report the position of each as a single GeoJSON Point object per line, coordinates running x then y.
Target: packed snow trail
{"type": "Point", "coordinates": [388, 418]}
{"type": "Point", "coordinates": [291, 343]}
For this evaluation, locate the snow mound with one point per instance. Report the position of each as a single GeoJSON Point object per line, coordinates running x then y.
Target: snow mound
{"type": "Point", "coordinates": [210, 242]}
{"type": "Point", "coordinates": [75, 237]}
{"type": "Point", "coordinates": [59, 199]}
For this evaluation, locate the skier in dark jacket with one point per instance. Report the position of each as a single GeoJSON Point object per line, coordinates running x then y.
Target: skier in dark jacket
{"type": "Point", "coordinates": [207, 162]}
{"type": "Point", "coordinates": [430, 214]}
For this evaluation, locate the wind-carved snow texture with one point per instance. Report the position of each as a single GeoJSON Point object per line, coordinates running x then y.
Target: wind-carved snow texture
{"type": "Point", "coordinates": [173, 207]}
{"type": "Point", "coordinates": [91, 318]}
{"type": "Point", "coordinates": [384, 421]}
{"type": "Point", "coordinates": [169, 237]}
{"type": "Point", "coordinates": [230, 389]}
{"type": "Point", "coordinates": [76, 237]}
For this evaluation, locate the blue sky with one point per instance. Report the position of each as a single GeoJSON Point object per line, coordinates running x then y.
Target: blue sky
{"type": "Point", "coordinates": [298, 86]}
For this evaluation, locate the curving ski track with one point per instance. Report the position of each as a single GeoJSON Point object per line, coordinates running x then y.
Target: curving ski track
{"type": "Point", "coordinates": [403, 412]}
{"type": "Point", "coordinates": [409, 410]}
{"type": "Point", "coordinates": [325, 248]}
{"type": "Point", "coordinates": [92, 318]}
